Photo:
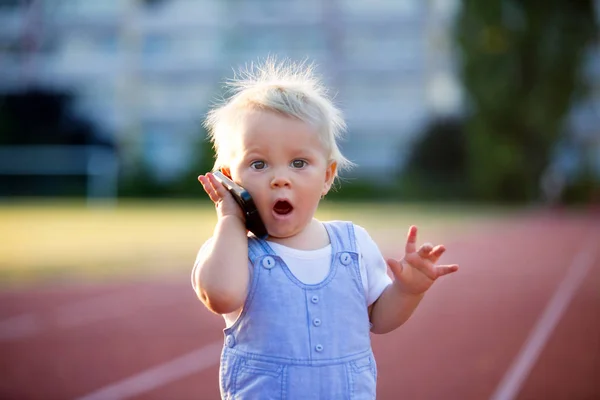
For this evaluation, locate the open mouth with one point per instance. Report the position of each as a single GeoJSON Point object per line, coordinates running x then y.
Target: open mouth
{"type": "Point", "coordinates": [283, 207]}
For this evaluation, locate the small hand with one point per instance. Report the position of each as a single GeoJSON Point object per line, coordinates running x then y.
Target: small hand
{"type": "Point", "coordinates": [224, 201]}
{"type": "Point", "coordinates": [416, 272]}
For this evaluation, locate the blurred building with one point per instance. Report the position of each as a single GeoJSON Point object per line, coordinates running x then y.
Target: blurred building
{"type": "Point", "coordinates": [147, 70]}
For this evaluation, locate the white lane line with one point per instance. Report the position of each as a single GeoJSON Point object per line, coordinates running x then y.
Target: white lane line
{"type": "Point", "coordinates": [24, 325]}
{"type": "Point", "coordinates": [160, 375]}
{"type": "Point", "coordinates": [511, 383]}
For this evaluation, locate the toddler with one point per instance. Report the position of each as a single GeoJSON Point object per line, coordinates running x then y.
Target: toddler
{"type": "Point", "coordinates": [299, 306]}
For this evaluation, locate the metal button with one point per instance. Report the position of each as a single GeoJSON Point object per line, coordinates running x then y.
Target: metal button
{"type": "Point", "coordinates": [314, 299]}
{"type": "Point", "coordinates": [230, 341]}
{"type": "Point", "coordinates": [316, 322]}
{"type": "Point", "coordinates": [346, 258]}
{"type": "Point", "coordinates": [268, 262]}
{"type": "Point", "coordinates": [319, 348]}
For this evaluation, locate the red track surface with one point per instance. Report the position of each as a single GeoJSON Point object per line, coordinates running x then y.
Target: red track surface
{"type": "Point", "coordinates": [68, 342]}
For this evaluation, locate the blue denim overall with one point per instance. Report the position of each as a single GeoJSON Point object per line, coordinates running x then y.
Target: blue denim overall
{"type": "Point", "coordinates": [299, 341]}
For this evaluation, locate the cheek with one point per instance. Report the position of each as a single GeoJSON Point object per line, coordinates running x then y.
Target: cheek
{"type": "Point", "coordinates": [240, 175]}
{"type": "Point", "coordinates": [254, 186]}
{"type": "Point", "coordinates": [313, 190]}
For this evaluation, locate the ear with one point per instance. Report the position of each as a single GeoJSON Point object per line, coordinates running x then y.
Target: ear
{"type": "Point", "coordinates": [330, 173]}
{"type": "Point", "coordinates": [226, 172]}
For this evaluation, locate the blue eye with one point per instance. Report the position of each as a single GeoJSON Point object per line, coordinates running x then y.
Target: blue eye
{"type": "Point", "coordinates": [258, 164]}
{"type": "Point", "coordinates": [299, 163]}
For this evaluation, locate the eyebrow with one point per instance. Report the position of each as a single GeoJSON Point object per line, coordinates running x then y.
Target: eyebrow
{"type": "Point", "coordinates": [252, 153]}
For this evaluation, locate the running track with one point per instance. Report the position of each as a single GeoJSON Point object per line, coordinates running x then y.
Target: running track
{"type": "Point", "coordinates": [520, 320]}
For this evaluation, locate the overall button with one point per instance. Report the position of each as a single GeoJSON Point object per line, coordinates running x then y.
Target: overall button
{"type": "Point", "coordinates": [345, 258]}
{"type": "Point", "coordinates": [316, 322]}
{"type": "Point", "coordinates": [230, 341]}
{"type": "Point", "coordinates": [314, 299]}
{"type": "Point", "coordinates": [268, 262]}
{"type": "Point", "coordinates": [319, 348]}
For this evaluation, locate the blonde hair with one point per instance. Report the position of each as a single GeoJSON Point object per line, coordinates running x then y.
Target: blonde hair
{"type": "Point", "coordinates": [285, 87]}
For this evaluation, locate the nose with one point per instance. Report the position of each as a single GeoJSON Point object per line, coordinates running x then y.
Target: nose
{"type": "Point", "coordinates": [280, 179]}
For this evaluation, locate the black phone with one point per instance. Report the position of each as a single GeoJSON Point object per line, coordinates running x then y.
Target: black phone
{"type": "Point", "coordinates": [253, 221]}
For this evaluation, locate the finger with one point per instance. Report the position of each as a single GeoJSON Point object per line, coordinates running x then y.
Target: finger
{"type": "Point", "coordinates": [425, 250]}
{"type": "Point", "coordinates": [442, 270]}
{"type": "Point", "coordinates": [436, 253]}
{"type": "Point", "coordinates": [205, 183]}
{"type": "Point", "coordinates": [422, 265]}
{"type": "Point", "coordinates": [218, 186]}
{"type": "Point", "coordinates": [209, 188]}
{"type": "Point", "coordinates": [396, 266]}
{"type": "Point", "coordinates": [411, 240]}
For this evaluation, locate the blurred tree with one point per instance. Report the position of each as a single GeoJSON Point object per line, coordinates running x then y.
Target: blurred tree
{"type": "Point", "coordinates": [143, 182]}
{"type": "Point", "coordinates": [521, 69]}
{"type": "Point", "coordinates": [203, 160]}
{"type": "Point", "coordinates": [436, 165]}
{"type": "Point", "coordinates": [44, 117]}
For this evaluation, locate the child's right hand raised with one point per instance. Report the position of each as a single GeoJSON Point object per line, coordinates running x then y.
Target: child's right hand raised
{"type": "Point", "coordinates": [417, 270]}
{"type": "Point", "coordinates": [224, 201]}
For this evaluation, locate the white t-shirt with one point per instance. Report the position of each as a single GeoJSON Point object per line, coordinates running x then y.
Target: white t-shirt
{"type": "Point", "coordinates": [312, 266]}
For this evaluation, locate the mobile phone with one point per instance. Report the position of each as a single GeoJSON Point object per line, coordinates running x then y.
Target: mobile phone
{"type": "Point", "coordinates": [253, 221]}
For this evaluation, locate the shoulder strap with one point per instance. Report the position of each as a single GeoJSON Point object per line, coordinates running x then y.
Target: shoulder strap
{"type": "Point", "coordinates": [341, 234]}
{"type": "Point", "coordinates": [257, 248]}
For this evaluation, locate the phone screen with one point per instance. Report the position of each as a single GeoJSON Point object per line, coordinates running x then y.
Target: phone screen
{"type": "Point", "coordinates": [253, 221]}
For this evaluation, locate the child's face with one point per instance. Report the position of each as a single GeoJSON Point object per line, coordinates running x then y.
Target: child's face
{"type": "Point", "coordinates": [282, 163]}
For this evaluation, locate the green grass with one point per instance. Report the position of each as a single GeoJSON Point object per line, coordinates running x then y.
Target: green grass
{"type": "Point", "coordinates": [67, 240]}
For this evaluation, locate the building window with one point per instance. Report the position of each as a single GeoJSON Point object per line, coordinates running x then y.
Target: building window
{"type": "Point", "coordinates": [368, 47]}
{"type": "Point", "coordinates": [293, 43]}
{"type": "Point", "coordinates": [90, 8]}
{"type": "Point", "coordinates": [382, 8]}
{"type": "Point", "coordinates": [7, 4]}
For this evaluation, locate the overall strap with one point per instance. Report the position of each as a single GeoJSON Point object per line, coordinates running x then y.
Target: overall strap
{"type": "Point", "coordinates": [341, 234]}
{"type": "Point", "coordinates": [257, 248]}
